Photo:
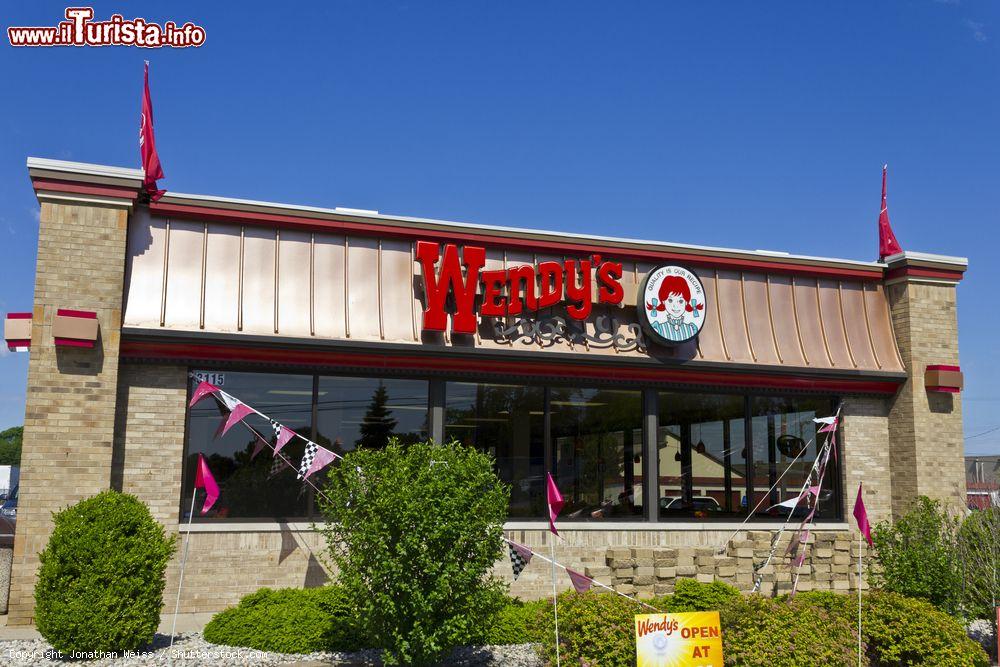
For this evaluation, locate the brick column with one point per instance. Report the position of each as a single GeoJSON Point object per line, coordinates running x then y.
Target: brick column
{"type": "Point", "coordinates": [866, 456]}
{"type": "Point", "coordinates": [926, 444]}
{"type": "Point", "coordinates": [70, 408]}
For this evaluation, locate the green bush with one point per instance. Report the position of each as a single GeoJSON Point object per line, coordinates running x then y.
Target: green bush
{"type": "Point", "coordinates": [415, 531]}
{"type": "Point", "coordinates": [519, 623]}
{"type": "Point", "coordinates": [918, 556]}
{"type": "Point", "coordinates": [905, 631]}
{"type": "Point", "coordinates": [594, 629]}
{"type": "Point", "coordinates": [979, 561]}
{"type": "Point", "coordinates": [100, 585]}
{"type": "Point", "coordinates": [290, 620]}
{"type": "Point", "coordinates": [760, 632]}
{"type": "Point", "coordinates": [692, 595]}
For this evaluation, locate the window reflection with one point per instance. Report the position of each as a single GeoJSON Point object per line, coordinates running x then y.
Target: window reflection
{"type": "Point", "coordinates": [597, 434]}
{"type": "Point", "coordinates": [702, 456]}
{"type": "Point", "coordinates": [784, 437]}
{"type": "Point", "coordinates": [507, 422]}
{"type": "Point", "coordinates": [353, 412]}
{"type": "Point", "coordinates": [248, 491]}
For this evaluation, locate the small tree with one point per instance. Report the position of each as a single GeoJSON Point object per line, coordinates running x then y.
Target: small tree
{"type": "Point", "coordinates": [414, 531]}
{"type": "Point", "coordinates": [918, 556]}
{"type": "Point", "coordinates": [10, 445]}
{"type": "Point", "coordinates": [100, 586]}
{"type": "Point", "coordinates": [378, 423]}
{"type": "Point", "coordinates": [979, 555]}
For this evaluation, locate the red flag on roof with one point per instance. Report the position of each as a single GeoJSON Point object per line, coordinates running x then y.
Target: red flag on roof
{"type": "Point", "coordinates": [147, 143]}
{"type": "Point", "coordinates": [887, 243]}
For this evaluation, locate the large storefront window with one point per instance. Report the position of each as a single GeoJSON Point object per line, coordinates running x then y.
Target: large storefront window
{"type": "Point", "coordinates": [785, 441]}
{"type": "Point", "coordinates": [247, 489]}
{"type": "Point", "coordinates": [597, 434]}
{"type": "Point", "coordinates": [357, 413]}
{"type": "Point", "coordinates": [507, 422]}
{"type": "Point", "coordinates": [349, 412]}
{"type": "Point", "coordinates": [702, 445]}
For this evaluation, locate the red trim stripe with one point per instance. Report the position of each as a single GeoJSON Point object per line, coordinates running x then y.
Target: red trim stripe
{"type": "Point", "coordinates": [73, 342]}
{"type": "Point", "coordinates": [19, 316]}
{"type": "Point", "coordinates": [82, 314]}
{"type": "Point", "coordinates": [943, 367]}
{"type": "Point", "coordinates": [117, 192]}
{"type": "Point", "coordinates": [225, 353]}
{"type": "Point", "coordinates": [533, 245]}
{"type": "Point", "coordinates": [949, 390]}
{"type": "Point", "coordinates": [917, 272]}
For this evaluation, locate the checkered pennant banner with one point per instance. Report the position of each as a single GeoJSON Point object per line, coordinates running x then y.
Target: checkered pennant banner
{"type": "Point", "coordinates": [277, 465]}
{"type": "Point", "coordinates": [520, 556]}
{"type": "Point", "coordinates": [307, 459]}
{"type": "Point", "coordinates": [277, 429]}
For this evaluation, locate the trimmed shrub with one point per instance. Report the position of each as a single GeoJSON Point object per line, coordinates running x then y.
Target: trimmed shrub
{"type": "Point", "coordinates": [290, 620]}
{"type": "Point", "coordinates": [519, 623]}
{"type": "Point", "coordinates": [760, 632]}
{"type": "Point", "coordinates": [594, 629]}
{"type": "Point", "coordinates": [692, 595]}
{"type": "Point", "coordinates": [100, 585]}
{"type": "Point", "coordinates": [905, 631]}
{"type": "Point", "coordinates": [415, 531]}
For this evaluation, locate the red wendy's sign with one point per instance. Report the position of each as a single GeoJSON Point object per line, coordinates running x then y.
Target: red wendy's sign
{"type": "Point", "coordinates": [511, 291]}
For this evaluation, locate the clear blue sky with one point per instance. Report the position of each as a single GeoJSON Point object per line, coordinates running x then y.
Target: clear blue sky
{"type": "Point", "coordinates": [750, 125]}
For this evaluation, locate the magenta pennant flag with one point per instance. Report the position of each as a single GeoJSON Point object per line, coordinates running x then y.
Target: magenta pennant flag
{"type": "Point", "coordinates": [315, 459]}
{"type": "Point", "coordinates": [203, 480]}
{"type": "Point", "coordinates": [240, 411]}
{"type": "Point", "coordinates": [282, 434]}
{"type": "Point", "coordinates": [555, 501]}
{"type": "Point", "coordinates": [581, 583]}
{"type": "Point", "coordinates": [201, 391]}
{"type": "Point", "coordinates": [861, 514]}
{"type": "Point", "coordinates": [259, 445]}
{"type": "Point", "coordinates": [828, 428]}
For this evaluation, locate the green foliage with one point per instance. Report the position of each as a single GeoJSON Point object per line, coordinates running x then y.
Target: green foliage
{"type": "Point", "coordinates": [758, 631]}
{"type": "Point", "coordinates": [100, 585]}
{"type": "Point", "coordinates": [594, 629]}
{"type": "Point", "coordinates": [415, 531]}
{"type": "Point", "coordinates": [979, 562]}
{"type": "Point", "coordinates": [290, 620]}
{"type": "Point", "coordinates": [519, 623]}
{"type": "Point", "coordinates": [691, 595]}
{"type": "Point", "coordinates": [10, 445]}
{"type": "Point", "coordinates": [905, 631]}
{"type": "Point", "coordinates": [917, 556]}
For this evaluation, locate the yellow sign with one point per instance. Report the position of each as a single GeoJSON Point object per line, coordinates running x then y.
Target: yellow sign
{"type": "Point", "coordinates": [692, 639]}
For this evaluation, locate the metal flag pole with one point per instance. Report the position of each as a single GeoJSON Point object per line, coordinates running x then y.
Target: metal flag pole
{"type": "Point", "coordinates": [859, 596]}
{"type": "Point", "coordinates": [184, 557]}
{"type": "Point", "coordinates": [555, 601]}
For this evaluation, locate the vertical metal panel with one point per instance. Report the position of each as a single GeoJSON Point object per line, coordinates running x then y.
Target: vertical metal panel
{"type": "Point", "coordinates": [294, 280]}
{"type": "Point", "coordinates": [810, 327]}
{"type": "Point", "coordinates": [436, 402]}
{"type": "Point", "coordinates": [258, 280]}
{"type": "Point", "coordinates": [833, 323]}
{"type": "Point", "coordinates": [856, 325]}
{"type": "Point", "coordinates": [362, 289]}
{"type": "Point", "coordinates": [329, 300]}
{"type": "Point", "coordinates": [785, 327]}
{"type": "Point", "coordinates": [758, 317]}
{"type": "Point", "coordinates": [147, 244]}
{"type": "Point", "coordinates": [883, 337]}
{"type": "Point", "coordinates": [730, 296]}
{"type": "Point", "coordinates": [711, 344]}
{"type": "Point", "coordinates": [396, 280]}
{"type": "Point", "coordinates": [183, 304]}
{"type": "Point", "coordinates": [222, 282]}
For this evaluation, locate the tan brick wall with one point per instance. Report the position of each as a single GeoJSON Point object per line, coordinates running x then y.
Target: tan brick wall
{"type": "Point", "coordinates": [865, 451]}
{"type": "Point", "coordinates": [70, 403]}
{"type": "Point", "coordinates": [925, 428]}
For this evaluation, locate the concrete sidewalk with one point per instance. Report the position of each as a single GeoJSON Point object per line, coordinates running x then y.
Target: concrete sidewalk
{"type": "Point", "coordinates": [185, 623]}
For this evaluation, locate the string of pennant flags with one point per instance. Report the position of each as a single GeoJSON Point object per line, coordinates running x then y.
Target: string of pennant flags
{"type": "Point", "coordinates": [317, 457]}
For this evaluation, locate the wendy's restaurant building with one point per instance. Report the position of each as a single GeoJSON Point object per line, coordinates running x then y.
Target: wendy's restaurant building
{"type": "Point", "coordinates": [669, 389]}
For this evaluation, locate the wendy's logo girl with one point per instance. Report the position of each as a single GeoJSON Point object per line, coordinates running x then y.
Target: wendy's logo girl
{"type": "Point", "coordinates": [672, 304]}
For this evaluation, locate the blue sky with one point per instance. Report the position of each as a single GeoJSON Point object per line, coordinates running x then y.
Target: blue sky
{"type": "Point", "coordinates": [750, 125]}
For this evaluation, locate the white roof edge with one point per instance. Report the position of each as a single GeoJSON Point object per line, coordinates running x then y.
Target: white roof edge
{"type": "Point", "coordinates": [124, 172]}
{"type": "Point", "coordinates": [927, 257]}
{"type": "Point", "coordinates": [497, 228]}
{"type": "Point", "coordinates": [84, 168]}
